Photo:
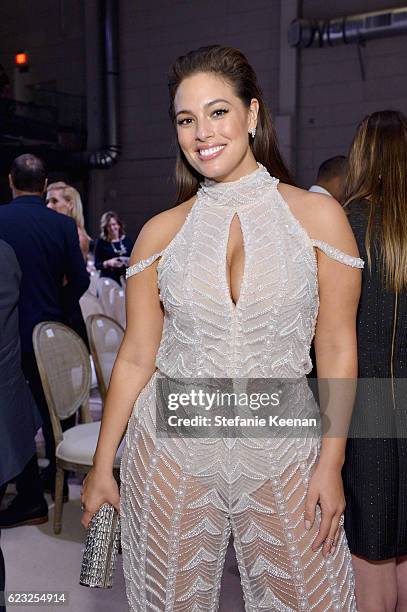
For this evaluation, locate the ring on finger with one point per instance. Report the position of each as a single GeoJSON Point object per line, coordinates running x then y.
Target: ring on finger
{"type": "Point", "coordinates": [342, 520]}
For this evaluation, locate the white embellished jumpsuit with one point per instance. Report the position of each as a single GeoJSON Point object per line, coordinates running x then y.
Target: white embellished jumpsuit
{"type": "Point", "coordinates": [181, 498]}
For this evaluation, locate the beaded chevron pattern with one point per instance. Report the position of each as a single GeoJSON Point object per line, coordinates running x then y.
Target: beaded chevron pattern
{"type": "Point", "coordinates": [181, 498]}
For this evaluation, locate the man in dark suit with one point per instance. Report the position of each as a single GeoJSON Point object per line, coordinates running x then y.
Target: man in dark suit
{"type": "Point", "coordinates": [54, 277]}
{"type": "Point", "coordinates": [19, 419]}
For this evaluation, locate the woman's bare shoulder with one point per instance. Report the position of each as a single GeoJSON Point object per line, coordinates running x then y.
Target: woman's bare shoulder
{"type": "Point", "coordinates": [158, 231]}
{"type": "Point", "coordinates": [308, 204]}
{"type": "Point", "coordinates": [321, 215]}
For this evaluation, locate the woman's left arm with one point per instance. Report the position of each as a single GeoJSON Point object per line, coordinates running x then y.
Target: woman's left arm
{"type": "Point", "coordinates": [336, 360]}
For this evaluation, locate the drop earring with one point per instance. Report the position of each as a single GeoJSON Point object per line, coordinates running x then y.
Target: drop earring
{"type": "Point", "coordinates": [253, 132]}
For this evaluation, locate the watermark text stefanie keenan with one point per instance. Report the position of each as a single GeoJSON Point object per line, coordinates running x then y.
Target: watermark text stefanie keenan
{"type": "Point", "coordinates": [201, 410]}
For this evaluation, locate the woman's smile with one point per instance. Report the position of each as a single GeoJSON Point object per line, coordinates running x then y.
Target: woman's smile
{"type": "Point", "coordinates": [207, 153]}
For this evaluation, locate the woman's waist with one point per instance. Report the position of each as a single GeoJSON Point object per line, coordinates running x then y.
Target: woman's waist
{"type": "Point", "coordinates": [192, 368]}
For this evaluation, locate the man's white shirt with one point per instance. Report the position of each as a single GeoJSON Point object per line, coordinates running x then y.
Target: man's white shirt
{"type": "Point", "coordinates": [319, 189]}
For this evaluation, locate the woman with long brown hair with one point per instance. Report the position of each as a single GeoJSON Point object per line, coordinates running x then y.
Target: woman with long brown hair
{"type": "Point", "coordinates": [375, 470]}
{"type": "Point", "coordinates": [226, 285]}
{"type": "Point", "coordinates": [113, 247]}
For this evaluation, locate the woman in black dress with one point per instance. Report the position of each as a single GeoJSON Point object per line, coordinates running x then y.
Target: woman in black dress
{"type": "Point", "coordinates": [113, 248]}
{"type": "Point", "coordinates": [375, 470]}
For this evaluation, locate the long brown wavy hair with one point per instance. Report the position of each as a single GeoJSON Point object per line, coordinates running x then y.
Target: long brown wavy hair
{"type": "Point", "coordinates": [378, 175]}
{"type": "Point", "coordinates": [104, 222]}
{"type": "Point", "coordinates": [231, 65]}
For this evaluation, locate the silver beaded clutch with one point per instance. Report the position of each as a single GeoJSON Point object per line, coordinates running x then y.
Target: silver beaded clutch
{"type": "Point", "coordinates": [101, 547]}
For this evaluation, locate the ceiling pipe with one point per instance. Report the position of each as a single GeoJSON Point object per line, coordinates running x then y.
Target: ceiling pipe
{"type": "Point", "coordinates": [109, 155]}
{"type": "Point", "coordinates": [304, 33]}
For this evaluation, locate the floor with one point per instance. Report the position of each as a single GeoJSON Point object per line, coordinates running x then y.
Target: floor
{"type": "Point", "coordinates": [38, 560]}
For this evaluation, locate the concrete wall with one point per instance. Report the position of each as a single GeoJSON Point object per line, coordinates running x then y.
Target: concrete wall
{"type": "Point", "coordinates": [333, 97]}
{"type": "Point", "coordinates": [152, 35]}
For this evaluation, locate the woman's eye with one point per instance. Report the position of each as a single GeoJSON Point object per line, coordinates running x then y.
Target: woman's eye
{"type": "Point", "coordinates": [184, 121]}
{"type": "Point", "coordinates": [220, 111]}
{"type": "Point", "coordinates": [217, 113]}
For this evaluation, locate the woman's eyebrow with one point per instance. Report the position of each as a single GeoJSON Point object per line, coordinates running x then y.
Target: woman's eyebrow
{"type": "Point", "coordinates": [205, 106]}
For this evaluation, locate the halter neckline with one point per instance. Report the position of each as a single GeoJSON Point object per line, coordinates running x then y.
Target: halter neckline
{"type": "Point", "coordinates": [242, 190]}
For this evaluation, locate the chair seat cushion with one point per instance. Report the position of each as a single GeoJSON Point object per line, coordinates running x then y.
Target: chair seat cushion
{"type": "Point", "coordinates": [79, 444]}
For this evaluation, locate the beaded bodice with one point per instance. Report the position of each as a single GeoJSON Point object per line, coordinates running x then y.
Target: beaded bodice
{"type": "Point", "coordinates": [268, 332]}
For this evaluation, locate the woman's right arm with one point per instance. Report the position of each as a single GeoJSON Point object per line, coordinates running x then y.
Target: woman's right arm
{"type": "Point", "coordinates": [134, 365]}
{"type": "Point", "coordinates": [135, 362]}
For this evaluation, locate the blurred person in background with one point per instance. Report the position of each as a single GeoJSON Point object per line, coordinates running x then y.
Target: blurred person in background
{"type": "Point", "coordinates": [331, 177]}
{"type": "Point", "coordinates": [375, 470]}
{"type": "Point", "coordinates": [46, 245]}
{"type": "Point", "coordinates": [113, 248]}
{"type": "Point", "coordinates": [19, 418]}
{"type": "Point", "coordinates": [66, 200]}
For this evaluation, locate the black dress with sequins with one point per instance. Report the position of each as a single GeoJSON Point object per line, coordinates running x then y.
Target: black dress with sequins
{"type": "Point", "coordinates": [375, 469]}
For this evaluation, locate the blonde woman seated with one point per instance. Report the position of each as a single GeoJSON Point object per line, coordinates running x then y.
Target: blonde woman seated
{"type": "Point", "coordinates": [66, 200]}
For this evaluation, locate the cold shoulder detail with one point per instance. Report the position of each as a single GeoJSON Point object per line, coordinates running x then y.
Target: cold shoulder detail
{"type": "Point", "coordinates": [334, 253]}
{"type": "Point", "coordinates": [141, 265]}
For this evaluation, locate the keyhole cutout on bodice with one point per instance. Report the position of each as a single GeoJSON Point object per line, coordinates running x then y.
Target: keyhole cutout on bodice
{"type": "Point", "coordinates": [235, 259]}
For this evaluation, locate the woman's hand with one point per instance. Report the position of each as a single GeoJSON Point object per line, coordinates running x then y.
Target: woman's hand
{"type": "Point", "coordinates": [326, 489]}
{"type": "Point", "coordinates": [98, 487]}
{"type": "Point", "coordinates": [114, 262]}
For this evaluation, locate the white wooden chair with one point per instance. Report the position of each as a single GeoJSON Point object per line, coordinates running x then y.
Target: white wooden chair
{"type": "Point", "coordinates": [104, 285]}
{"type": "Point", "coordinates": [105, 336]}
{"type": "Point", "coordinates": [90, 305]}
{"type": "Point", "coordinates": [117, 306]}
{"type": "Point", "coordinates": [63, 363]}
{"type": "Point", "coordinates": [93, 286]}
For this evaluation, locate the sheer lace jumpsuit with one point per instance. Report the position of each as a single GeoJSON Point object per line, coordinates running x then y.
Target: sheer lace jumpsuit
{"type": "Point", "coordinates": [182, 498]}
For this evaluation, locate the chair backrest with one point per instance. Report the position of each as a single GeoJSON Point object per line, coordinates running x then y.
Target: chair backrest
{"type": "Point", "coordinates": [104, 285]}
{"type": "Point", "coordinates": [63, 364]}
{"type": "Point", "coordinates": [90, 305]}
{"type": "Point", "coordinates": [117, 305]}
{"type": "Point", "coordinates": [93, 285]}
{"type": "Point", "coordinates": [105, 336]}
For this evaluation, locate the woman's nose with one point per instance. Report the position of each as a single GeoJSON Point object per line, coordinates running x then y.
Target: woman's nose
{"type": "Point", "coordinates": [204, 129]}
